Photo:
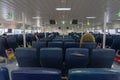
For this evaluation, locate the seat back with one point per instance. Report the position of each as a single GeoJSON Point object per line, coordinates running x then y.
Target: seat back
{"type": "Point", "coordinates": [93, 74]}
{"type": "Point", "coordinates": [12, 43]}
{"type": "Point", "coordinates": [36, 74]}
{"type": "Point", "coordinates": [102, 58]}
{"type": "Point", "coordinates": [20, 39]}
{"type": "Point", "coordinates": [4, 75]}
{"type": "Point", "coordinates": [71, 45]}
{"type": "Point", "coordinates": [29, 38]}
{"type": "Point", "coordinates": [3, 47]}
{"type": "Point", "coordinates": [51, 57]}
{"type": "Point", "coordinates": [55, 44]}
{"type": "Point", "coordinates": [116, 44]}
{"type": "Point", "coordinates": [27, 57]}
{"type": "Point", "coordinates": [69, 40]}
{"type": "Point", "coordinates": [109, 40]}
{"type": "Point", "coordinates": [89, 45]}
{"type": "Point", "coordinates": [38, 46]}
{"type": "Point", "coordinates": [76, 58]}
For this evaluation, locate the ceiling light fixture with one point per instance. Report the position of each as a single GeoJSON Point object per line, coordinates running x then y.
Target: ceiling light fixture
{"type": "Point", "coordinates": [63, 9]}
{"type": "Point", "coordinates": [90, 17]}
{"type": "Point", "coordinates": [36, 17]}
{"type": "Point", "coordinates": [63, 1]}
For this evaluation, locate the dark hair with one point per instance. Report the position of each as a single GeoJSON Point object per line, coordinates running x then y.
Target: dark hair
{"type": "Point", "coordinates": [4, 34]}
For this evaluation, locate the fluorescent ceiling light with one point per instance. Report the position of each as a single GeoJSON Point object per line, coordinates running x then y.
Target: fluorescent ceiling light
{"type": "Point", "coordinates": [63, 9]}
{"type": "Point", "coordinates": [36, 17]}
{"type": "Point", "coordinates": [90, 17]}
{"type": "Point", "coordinates": [20, 22]}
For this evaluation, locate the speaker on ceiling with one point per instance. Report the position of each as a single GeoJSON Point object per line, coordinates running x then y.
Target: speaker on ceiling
{"type": "Point", "coordinates": [52, 21]}
{"type": "Point", "coordinates": [74, 21]}
{"type": "Point", "coordinates": [59, 27]}
{"type": "Point", "coordinates": [9, 31]}
{"type": "Point", "coordinates": [67, 27]}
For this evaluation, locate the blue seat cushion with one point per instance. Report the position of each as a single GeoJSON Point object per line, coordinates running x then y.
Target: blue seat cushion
{"type": "Point", "coordinates": [4, 73]}
{"type": "Point", "coordinates": [93, 74]}
{"type": "Point", "coordinates": [36, 74]}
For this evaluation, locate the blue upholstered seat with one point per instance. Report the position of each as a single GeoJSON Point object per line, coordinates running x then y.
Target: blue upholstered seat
{"type": "Point", "coordinates": [69, 40]}
{"type": "Point", "coordinates": [55, 44]}
{"type": "Point", "coordinates": [12, 43]}
{"type": "Point", "coordinates": [27, 57]}
{"type": "Point", "coordinates": [38, 46]}
{"type": "Point", "coordinates": [75, 58]}
{"type": "Point", "coordinates": [36, 74]}
{"type": "Point", "coordinates": [20, 39]}
{"type": "Point", "coordinates": [4, 75]}
{"type": "Point", "coordinates": [102, 58]}
{"type": "Point", "coordinates": [3, 47]}
{"type": "Point", "coordinates": [51, 57]}
{"type": "Point", "coordinates": [116, 44]}
{"type": "Point", "coordinates": [71, 45]}
{"type": "Point", "coordinates": [89, 45]}
{"type": "Point", "coordinates": [93, 74]}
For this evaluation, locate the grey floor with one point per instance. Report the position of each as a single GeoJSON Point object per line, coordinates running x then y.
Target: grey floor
{"type": "Point", "coordinates": [13, 65]}
{"type": "Point", "coordinates": [116, 66]}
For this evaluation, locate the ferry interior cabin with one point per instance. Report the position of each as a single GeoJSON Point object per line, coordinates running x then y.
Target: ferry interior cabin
{"type": "Point", "coordinates": [59, 39]}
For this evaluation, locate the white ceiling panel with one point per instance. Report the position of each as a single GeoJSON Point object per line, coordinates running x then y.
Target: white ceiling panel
{"type": "Point", "coordinates": [80, 9]}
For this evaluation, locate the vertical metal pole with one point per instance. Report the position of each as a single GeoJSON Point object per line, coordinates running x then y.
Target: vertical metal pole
{"type": "Point", "coordinates": [34, 29]}
{"type": "Point", "coordinates": [45, 35]}
{"type": "Point", "coordinates": [31, 29]}
{"type": "Point", "coordinates": [82, 28]}
{"type": "Point", "coordinates": [24, 34]}
{"type": "Point", "coordinates": [38, 29]}
{"type": "Point", "coordinates": [104, 29]}
{"type": "Point", "coordinates": [45, 31]}
{"type": "Point", "coordinates": [4, 30]}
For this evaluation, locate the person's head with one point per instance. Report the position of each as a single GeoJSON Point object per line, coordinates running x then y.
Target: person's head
{"type": "Point", "coordinates": [108, 33]}
{"type": "Point", "coordinates": [87, 37]}
{"type": "Point", "coordinates": [4, 35]}
{"type": "Point", "coordinates": [99, 33]}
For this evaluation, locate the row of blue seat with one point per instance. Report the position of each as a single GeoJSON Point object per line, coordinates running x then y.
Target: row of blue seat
{"type": "Point", "coordinates": [65, 45]}
{"type": "Point", "coordinates": [98, 38]}
{"type": "Point", "coordinates": [54, 36]}
{"type": "Point", "coordinates": [74, 58]}
{"type": "Point", "coordinates": [43, 36]}
{"type": "Point", "coordinates": [6, 43]}
{"type": "Point", "coordinates": [54, 74]}
{"type": "Point", "coordinates": [57, 44]}
{"type": "Point", "coordinates": [12, 42]}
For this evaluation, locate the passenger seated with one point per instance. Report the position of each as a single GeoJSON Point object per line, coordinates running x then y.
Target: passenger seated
{"type": "Point", "coordinates": [98, 40]}
{"type": "Point", "coordinates": [4, 36]}
{"type": "Point", "coordinates": [87, 37]}
{"type": "Point", "coordinates": [35, 37]}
